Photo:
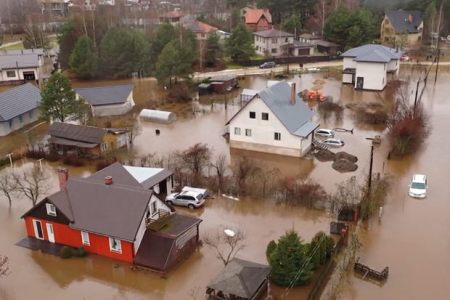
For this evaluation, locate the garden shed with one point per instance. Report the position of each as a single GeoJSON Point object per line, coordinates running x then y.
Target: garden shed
{"type": "Point", "coordinates": [157, 116]}
{"type": "Point", "coordinates": [247, 95]}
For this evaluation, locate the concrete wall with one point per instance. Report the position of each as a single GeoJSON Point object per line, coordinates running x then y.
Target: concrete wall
{"type": "Point", "coordinates": [15, 124]}
{"type": "Point", "coordinates": [264, 46]}
{"type": "Point", "coordinates": [347, 78]}
{"type": "Point", "coordinates": [374, 75]}
{"type": "Point", "coordinates": [262, 137]}
{"type": "Point", "coordinates": [19, 74]}
{"type": "Point", "coordinates": [349, 63]}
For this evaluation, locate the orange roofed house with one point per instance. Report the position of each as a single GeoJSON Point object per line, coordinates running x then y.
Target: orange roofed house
{"type": "Point", "coordinates": [202, 30]}
{"type": "Point", "coordinates": [119, 216]}
{"type": "Point", "coordinates": [258, 19]}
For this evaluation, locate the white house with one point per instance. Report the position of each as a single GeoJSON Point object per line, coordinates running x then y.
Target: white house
{"type": "Point", "coordinates": [19, 67]}
{"type": "Point", "coordinates": [18, 107]}
{"type": "Point", "coordinates": [109, 100]}
{"type": "Point", "coordinates": [270, 42]}
{"type": "Point", "coordinates": [275, 121]}
{"type": "Point", "coordinates": [371, 66]}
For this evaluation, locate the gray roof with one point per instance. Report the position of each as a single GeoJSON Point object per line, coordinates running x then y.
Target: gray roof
{"type": "Point", "coordinates": [241, 278]}
{"type": "Point", "coordinates": [373, 53]}
{"type": "Point", "coordinates": [87, 134]}
{"type": "Point", "coordinates": [272, 33]}
{"type": "Point", "coordinates": [297, 44]}
{"type": "Point", "coordinates": [104, 95]}
{"type": "Point", "coordinates": [18, 101]}
{"type": "Point", "coordinates": [325, 43]}
{"type": "Point", "coordinates": [111, 210]}
{"type": "Point", "coordinates": [118, 173]}
{"type": "Point", "coordinates": [278, 98]}
{"type": "Point", "coordinates": [400, 22]}
{"type": "Point", "coordinates": [38, 51]}
{"type": "Point", "coordinates": [223, 78]}
{"type": "Point", "coordinates": [18, 61]}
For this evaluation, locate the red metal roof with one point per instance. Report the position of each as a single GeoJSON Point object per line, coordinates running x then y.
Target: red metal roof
{"type": "Point", "coordinates": [253, 15]}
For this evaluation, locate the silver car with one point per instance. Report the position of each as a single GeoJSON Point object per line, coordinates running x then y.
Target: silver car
{"type": "Point", "coordinates": [325, 132]}
{"type": "Point", "coordinates": [333, 143]}
{"type": "Point", "coordinates": [189, 199]}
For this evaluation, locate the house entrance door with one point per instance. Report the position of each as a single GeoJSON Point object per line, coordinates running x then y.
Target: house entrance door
{"type": "Point", "coordinates": [50, 233]}
{"type": "Point", "coordinates": [38, 232]}
{"type": "Point", "coordinates": [360, 83]}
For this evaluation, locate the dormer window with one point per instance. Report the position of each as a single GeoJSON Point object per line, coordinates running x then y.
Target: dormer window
{"type": "Point", "coordinates": [51, 209]}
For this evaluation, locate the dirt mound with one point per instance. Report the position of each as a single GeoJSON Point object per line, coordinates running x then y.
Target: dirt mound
{"type": "Point", "coordinates": [345, 155]}
{"type": "Point", "coordinates": [343, 165]}
{"type": "Point", "coordinates": [325, 155]}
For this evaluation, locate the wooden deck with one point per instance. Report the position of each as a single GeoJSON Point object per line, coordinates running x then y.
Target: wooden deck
{"type": "Point", "coordinates": [36, 244]}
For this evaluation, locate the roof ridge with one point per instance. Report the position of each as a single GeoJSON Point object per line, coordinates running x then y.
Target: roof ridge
{"type": "Point", "coordinates": [100, 86]}
{"type": "Point", "coordinates": [115, 185]}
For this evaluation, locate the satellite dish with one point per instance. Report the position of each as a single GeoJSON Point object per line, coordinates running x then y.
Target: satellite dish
{"type": "Point", "coordinates": [229, 232]}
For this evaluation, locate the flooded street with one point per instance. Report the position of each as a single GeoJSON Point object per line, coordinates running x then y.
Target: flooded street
{"type": "Point", "coordinates": [412, 237]}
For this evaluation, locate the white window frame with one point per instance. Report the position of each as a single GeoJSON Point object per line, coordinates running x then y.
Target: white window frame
{"type": "Point", "coordinates": [121, 140]}
{"type": "Point", "coordinates": [51, 209]}
{"type": "Point", "coordinates": [154, 208]}
{"type": "Point", "coordinates": [35, 225]}
{"type": "Point", "coordinates": [262, 116]}
{"type": "Point", "coordinates": [118, 242]}
{"type": "Point", "coordinates": [248, 132]}
{"type": "Point", "coordinates": [237, 130]}
{"type": "Point", "coordinates": [104, 146]}
{"type": "Point", "coordinates": [250, 115]}
{"type": "Point", "coordinates": [85, 238]}
{"type": "Point", "coordinates": [277, 136]}
{"type": "Point", "coordinates": [9, 72]}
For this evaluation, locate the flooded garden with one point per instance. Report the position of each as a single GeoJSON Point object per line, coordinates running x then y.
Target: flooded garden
{"type": "Point", "coordinates": [411, 236]}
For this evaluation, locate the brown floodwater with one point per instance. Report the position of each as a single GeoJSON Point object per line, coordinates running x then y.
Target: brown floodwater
{"type": "Point", "coordinates": [412, 238]}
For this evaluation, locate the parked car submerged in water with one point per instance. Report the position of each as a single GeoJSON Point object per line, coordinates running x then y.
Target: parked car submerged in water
{"type": "Point", "coordinates": [189, 199]}
{"type": "Point", "coordinates": [418, 186]}
{"type": "Point", "coordinates": [325, 132]}
{"type": "Point", "coordinates": [336, 143]}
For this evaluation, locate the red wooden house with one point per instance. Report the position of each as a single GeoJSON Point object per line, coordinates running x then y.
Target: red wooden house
{"type": "Point", "coordinates": [112, 216]}
{"type": "Point", "coordinates": [258, 20]}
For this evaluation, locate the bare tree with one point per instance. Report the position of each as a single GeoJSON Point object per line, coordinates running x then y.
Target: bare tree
{"type": "Point", "coordinates": [347, 192]}
{"type": "Point", "coordinates": [133, 126]}
{"type": "Point", "coordinates": [31, 183]}
{"type": "Point", "coordinates": [4, 265]}
{"type": "Point", "coordinates": [195, 159]}
{"type": "Point", "coordinates": [267, 177]}
{"type": "Point", "coordinates": [243, 169]}
{"type": "Point", "coordinates": [225, 242]}
{"type": "Point", "coordinates": [220, 165]}
{"type": "Point", "coordinates": [7, 185]}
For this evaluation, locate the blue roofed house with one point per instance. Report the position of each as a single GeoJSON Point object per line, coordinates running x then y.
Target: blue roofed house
{"type": "Point", "coordinates": [18, 107]}
{"type": "Point", "coordinates": [275, 121]}
{"type": "Point", "coordinates": [371, 66]}
{"type": "Point", "coordinates": [402, 25]}
{"type": "Point", "coordinates": [110, 100]}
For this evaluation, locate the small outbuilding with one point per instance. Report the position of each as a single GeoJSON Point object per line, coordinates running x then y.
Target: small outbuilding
{"type": "Point", "coordinates": [157, 116]}
{"type": "Point", "coordinates": [110, 100]}
{"type": "Point", "coordinates": [223, 83]}
{"type": "Point", "coordinates": [247, 95]}
{"type": "Point", "coordinates": [240, 279]}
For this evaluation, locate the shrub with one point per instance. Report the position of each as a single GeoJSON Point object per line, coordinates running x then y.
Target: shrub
{"type": "Point", "coordinates": [270, 248]}
{"type": "Point", "coordinates": [66, 252]}
{"type": "Point", "coordinates": [67, 161]}
{"type": "Point", "coordinates": [52, 156]}
{"type": "Point", "coordinates": [80, 252]}
{"type": "Point", "coordinates": [179, 93]}
{"type": "Point", "coordinates": [104, 163]}
{"type": "Point", "coordinates": [76, 161]}
{"type": "Point", "coordinates": [35, 154]}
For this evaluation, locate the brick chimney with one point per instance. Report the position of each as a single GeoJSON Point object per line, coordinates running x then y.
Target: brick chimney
{"type": "Point", "coordinates": [63, 175]}
{"type": "Point", "coordinates": [293, 93]}
{"type": "Point", "coordinates": [108, 180]}
{"type": "Point", "coordinates": [410, 18]}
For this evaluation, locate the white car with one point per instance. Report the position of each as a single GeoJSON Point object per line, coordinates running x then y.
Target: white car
{"type": "Point", "coordinates": [189, 199]}
{"type": "Point", "coordinates": [418, 186]}
{"type": "Point", "coordinates": [204, 192]}
{"type": "Point", "coordinates": [336, 143]}
{"type": "Point", "coordinates": [325, 132]}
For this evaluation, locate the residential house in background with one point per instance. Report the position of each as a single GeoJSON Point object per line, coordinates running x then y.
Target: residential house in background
{"type": "Point", "coordinates": [402, 26]}
{"type": "Point", "coordinates": [18, 107]}
{"type": "Point", "coordinates": [297, 48]}
{"type": "Point", "coordinates": [86, 140]}
{"type": "Point", "coordinates": [243, 11]}
{"type": "Point", "coordinates": [173, 17]}
{"type": "Point", "coordinates": [309, 38]}
{"type": "Point", "coordinates": [110, 100]}
{"type": "Point", "coordinates": [202, 30]}
{"type": "Point", "coordinates": [54, 7]}
{"type": "Point", "coordinates": [114, 217]}
{"type": "Point", "coordinates": [327, 47]}
{"type": "Point", "coordinates": [274, 121]}
{"type": "Point", "coordinates": [270, 42]}
{"type": "Point", "coordinates": [371, 66]}
{"type": "Point", "coordinates": [240, 279]}
{"type": "Point", "coordinates": [258, 20]}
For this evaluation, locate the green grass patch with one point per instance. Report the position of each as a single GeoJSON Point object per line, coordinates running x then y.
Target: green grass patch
{"type": "Point", "coordinates": [14, 47]}
{"type": "Point", "coordinates": [53, 41]}
{"type": "Point", "coordinates": [256, 57]}
{"type": "Point", "coordinates": [317, 53]}
{"type": "Point", "coordinates": [231, 64]}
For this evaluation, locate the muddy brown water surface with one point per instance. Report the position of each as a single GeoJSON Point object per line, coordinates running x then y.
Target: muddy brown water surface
{"type": "Point", "coordinates": [412, 238]}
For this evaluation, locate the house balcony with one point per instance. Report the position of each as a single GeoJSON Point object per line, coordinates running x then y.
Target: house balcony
{"type": "Point", "coordinates": [158, 220]}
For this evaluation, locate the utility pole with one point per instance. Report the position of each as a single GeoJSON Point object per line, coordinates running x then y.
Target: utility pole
{"type": "Point", "coordinates": [369, 183]}
{"type": "Point", "coordinates": [415, 99]}
{"type": "Point", "coordinates": [438, 54]}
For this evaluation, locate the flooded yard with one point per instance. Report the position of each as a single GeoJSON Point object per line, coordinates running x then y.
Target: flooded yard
{"type": "Point", "coordinates": [412, 237]}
